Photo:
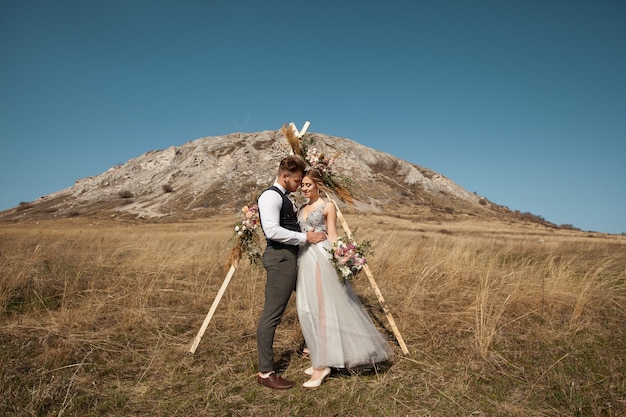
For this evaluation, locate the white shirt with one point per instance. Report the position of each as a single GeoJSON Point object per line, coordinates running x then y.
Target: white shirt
{"type": "Point", "coordinates": [270, 203]}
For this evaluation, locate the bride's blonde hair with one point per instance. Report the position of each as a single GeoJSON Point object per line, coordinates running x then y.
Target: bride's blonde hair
{"type": "Point", "coordinates": [315, 175]}
{"type": "Point", "coordinates": [319, 180]}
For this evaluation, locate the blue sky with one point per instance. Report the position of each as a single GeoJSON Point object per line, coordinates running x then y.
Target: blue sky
{"type": "Point", "coordinates": [522, 102]}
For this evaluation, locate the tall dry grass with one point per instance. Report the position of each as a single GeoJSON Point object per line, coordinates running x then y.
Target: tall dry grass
{"type": "Point", "coordinates": [499, 319]}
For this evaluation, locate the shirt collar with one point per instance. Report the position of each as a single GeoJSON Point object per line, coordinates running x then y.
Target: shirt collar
{"type": "Point", "coordinates": [280, 187]}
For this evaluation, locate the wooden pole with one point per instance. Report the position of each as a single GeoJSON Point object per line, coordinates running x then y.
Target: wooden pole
{"type": "Point", "coordinates": [299, 133]}
{"type": "Point", "coordinates": [370, 277]}
{"type": "Point", "coordinates": [208, 317]}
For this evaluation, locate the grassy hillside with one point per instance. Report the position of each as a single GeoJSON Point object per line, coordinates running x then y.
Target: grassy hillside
{"type": "Point", "coordinates": [499, 319]}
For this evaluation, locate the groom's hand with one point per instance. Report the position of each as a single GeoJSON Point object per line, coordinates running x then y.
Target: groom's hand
{"type": "Point", "coordinates": [315, 237]}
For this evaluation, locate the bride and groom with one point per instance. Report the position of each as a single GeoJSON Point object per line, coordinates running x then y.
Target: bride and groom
{"type": "Point", "coordinates": [336, 329]}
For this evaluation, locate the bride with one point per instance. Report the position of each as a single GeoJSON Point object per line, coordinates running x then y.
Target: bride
{"type": "Point", "coordinates": [337, 330]}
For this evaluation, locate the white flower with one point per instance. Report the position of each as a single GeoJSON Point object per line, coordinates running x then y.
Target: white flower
{"type": "Point", "coordinates": [345, 271]}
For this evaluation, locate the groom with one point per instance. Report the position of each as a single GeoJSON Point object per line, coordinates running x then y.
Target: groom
{"type": "Point", "coordinates": [280, 227]}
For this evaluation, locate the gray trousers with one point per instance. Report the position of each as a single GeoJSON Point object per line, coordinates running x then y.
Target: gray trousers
{"type": "Point", "coordinates": [281, 267]}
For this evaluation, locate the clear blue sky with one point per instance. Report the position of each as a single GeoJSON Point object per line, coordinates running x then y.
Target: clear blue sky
{"type": "Point", "coordinates": [522, 102]}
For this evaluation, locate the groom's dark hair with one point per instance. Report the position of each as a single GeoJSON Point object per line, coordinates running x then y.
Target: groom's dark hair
{"type": "Point", "coordinates": [292, 164]}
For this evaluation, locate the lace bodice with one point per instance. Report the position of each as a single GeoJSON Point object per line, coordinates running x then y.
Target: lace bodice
{"type": "Point", "coordinates": [315, 219]}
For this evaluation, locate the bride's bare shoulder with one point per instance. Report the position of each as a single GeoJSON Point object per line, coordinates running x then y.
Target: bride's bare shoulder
{"type": "Point", "coordinates": [329, 205]}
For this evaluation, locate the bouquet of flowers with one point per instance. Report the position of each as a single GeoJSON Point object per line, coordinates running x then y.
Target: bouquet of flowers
{"type": "Point", "coordinates": [349, 257]}
{"type": "Point", "coordinates": [247, 240]}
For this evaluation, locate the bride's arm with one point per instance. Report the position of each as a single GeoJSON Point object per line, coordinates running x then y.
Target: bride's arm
{"type": "Point", "coordinates": [330, 214]}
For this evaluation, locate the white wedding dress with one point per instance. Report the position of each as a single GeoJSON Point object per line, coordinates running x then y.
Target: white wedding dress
{"type": "Point", "coordinates": [337, 330]}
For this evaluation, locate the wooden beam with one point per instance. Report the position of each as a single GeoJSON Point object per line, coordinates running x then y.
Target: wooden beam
{"type": "Point", "coordinates": [209, 315]}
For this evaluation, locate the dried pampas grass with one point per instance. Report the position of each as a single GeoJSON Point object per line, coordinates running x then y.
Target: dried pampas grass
{"type": "Point", "coordinates": [293, 140]}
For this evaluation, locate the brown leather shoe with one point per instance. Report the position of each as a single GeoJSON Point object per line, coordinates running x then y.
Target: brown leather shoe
{"type": "Point", "coordinates": [275, 382]}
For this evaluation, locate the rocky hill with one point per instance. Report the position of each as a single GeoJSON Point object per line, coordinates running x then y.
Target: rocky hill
{"type": "Point", "coordinates": [214, 175]}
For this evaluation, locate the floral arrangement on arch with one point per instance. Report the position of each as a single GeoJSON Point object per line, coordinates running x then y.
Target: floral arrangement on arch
{"type": "Point", "coordinates": [322, 162]}
{"type": "Point", "coordinates": [349, 257]}
{"type": "Point", "coordinates": [247, 239]}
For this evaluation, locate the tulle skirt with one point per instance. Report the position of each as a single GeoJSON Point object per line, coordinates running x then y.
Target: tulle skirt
{"type": "Point", "coordinates": [337, 329]}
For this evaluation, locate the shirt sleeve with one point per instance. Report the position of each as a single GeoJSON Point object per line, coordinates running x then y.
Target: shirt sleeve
{"type": "Point", "coordinates": [270, 203]}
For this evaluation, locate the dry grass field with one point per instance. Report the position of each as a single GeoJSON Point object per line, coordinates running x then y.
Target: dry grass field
{"type": "Point", "coordinates": [97, 318]}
